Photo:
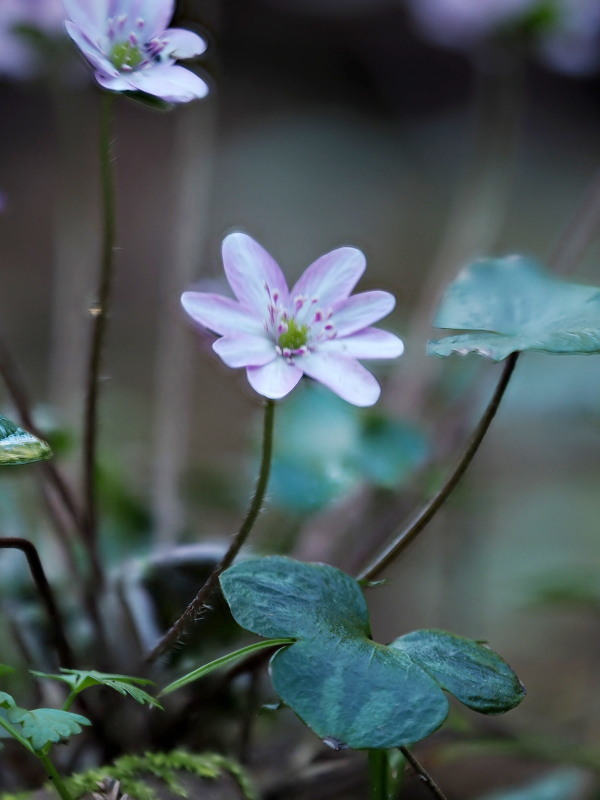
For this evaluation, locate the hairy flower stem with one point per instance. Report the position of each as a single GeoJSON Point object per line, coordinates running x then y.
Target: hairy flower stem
{"type": "Point", "coordinates": [57, 781]}
{"type": "Point", "coordinates": [583, 227]}
{"type": "Point", "coordinates": [423, 775]}
{"type": "Point", "coordinates": [199, 602]}
{"type": "Point", "coordinates": [99, 311]}
{"type": "Point", "coordinates": [60, 641]}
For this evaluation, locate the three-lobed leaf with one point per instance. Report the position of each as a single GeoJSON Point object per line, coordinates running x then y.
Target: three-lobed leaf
{"type": "Point", "coordinates": [341, 683]}
{"type": "Point", "coordinates": [507, 305]}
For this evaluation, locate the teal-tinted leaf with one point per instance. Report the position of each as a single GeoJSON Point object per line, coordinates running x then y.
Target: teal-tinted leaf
{"type": "Point", "coordinates": [277, 597]}
{"type": "Point", "coordinates": [79, 680]}
{"type": "Point", "coordinates": [511, 304]}
{"type": "Point", "coordinates": [6, 700]}
{"type": "Point", "coordinates": [474, 674]}
{"type": "Point", "coordinates": [325, 447]}
{"type": "Point", "coordinates": [563, 784]}
{"type": "Point", "coordinates": [45, 725]}
{"type": "Point", "coordinates": [359, 692]}
{"type": "Point", "coordinates": [390, 451]}
{"type": "Point", "coordinates": [316, 438]}
{"type": "Point", "coordinates": [18, 446]}
{"type": "Point", "coordinates": [342, 684]}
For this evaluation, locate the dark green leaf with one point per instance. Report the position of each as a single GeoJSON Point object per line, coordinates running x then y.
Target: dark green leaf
{"type": "Point", "coordinates": [45, 725]}
{"type": "Point", "coordinates": [342, 684]}
{"type": "Point", "coordinates": [512, 304]}
{"type": "Point", "coordinates": [359, 692]}
{"type": "Point", "coordinates": [278, 596]}
{"type": "Point", "coordinates": [18, 446]}
{"type": "Point", "coordinates": [474, 674]}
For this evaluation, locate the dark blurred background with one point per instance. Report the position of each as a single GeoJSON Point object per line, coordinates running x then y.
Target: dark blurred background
{"type": "Point", "coordinates": [327, 124]}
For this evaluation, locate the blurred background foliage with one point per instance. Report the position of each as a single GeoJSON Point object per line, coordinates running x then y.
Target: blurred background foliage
{"type": "Point", "coordinates": [329, 123]}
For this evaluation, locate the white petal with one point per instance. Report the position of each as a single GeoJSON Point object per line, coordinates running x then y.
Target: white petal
{"type": "Point", "coordinates": [274, 380]}
{"type": "Point", "coordinates": [221, 314]}
{"type": "Point", "coordinates": [156, 14]}
{"type": "Point", "coordinates": [343, 375]}
{"type": "Point", "coordinates": [183, 44]}
{"type": "Point", "coordinates": [245, 350]}
{"type": "Point", "coordinates": [368, 343]}
{"type": "Point", "coordinates": [116, 83]}
{"type": "Point", "coordinates": [332, 277]}
{"type": "Point", "coordinates": [90, 16]}
{"type": "Point", "coordinates": [169, 82]}
{"type": "Point", "coordinates": [90, 51]}
{"type": "Point", "coordinates": [252, 272]}
{"type": "Point", "coordinates": [361, 310]}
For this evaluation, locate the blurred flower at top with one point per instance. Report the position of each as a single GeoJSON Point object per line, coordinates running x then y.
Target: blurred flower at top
{"type": "Point", "coordinates": [131, 49]}
{"type": "Point", "coordinates": [565, 34]}
{"type": "Point", "coordinates": [20, 22]}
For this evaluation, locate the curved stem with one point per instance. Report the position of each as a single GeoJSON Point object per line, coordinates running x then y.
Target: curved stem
{"type": "Point", "coordinates": [54, 776]}
{"type": "Point", "coordinates": [99, 311]}
{"type": "Point", "coordinates": [61, 644]}
{"type": "Point", "coordinates": [426, 514]}
{"type": "Point", "coordinates": [423, 775]}
{"type": "Point", "coordinates": [199, 602]}
{"type": "Point", "coordinates": [581, 229]}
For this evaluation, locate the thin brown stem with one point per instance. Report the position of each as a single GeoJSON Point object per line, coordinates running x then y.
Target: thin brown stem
{"type": "Point", "coordinates": [99, 311]}
{"type": "Point", "coordinates": [199, 602]}
{"type": "Point", "coordinates": [423, 774]}
{"type": "Point", "coordinates": [59, 637]}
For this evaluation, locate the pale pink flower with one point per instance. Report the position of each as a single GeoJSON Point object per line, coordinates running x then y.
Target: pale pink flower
{"type": "Point", "coordinates": [315, 329]}
{"type": "Point", "coordinates": [131, 49]}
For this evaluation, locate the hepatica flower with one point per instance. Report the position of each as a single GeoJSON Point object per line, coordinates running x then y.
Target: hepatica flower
{"type": "Point", "coordinates": [131, 49]}
{"type": "Point", "coordinates": [315, 329]}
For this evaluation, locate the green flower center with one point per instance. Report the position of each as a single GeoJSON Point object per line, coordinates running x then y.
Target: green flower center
{"type": "Point", "coordinates": [125, 54]}
{"type": "Point", "coordinates": [295, 337]}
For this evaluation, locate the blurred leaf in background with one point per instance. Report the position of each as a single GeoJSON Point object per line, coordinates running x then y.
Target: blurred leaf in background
{"type": "Point", "coordinates": [325, 447]}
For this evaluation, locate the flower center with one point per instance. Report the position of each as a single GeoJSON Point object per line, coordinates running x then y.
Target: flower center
{"type": "Point", "coordinates": [125, 55]}
{"type": "Point", "coordinates": [295, 337]}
